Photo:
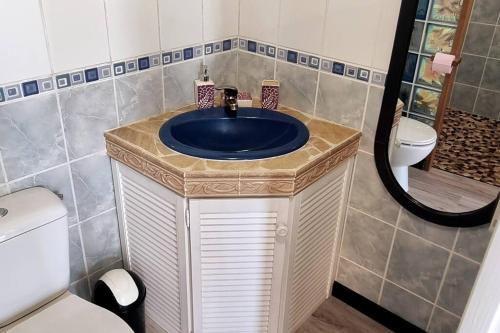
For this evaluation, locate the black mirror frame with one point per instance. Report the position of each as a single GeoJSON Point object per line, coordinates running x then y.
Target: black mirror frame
{"type": "Point", "coordinates": [391, 94]}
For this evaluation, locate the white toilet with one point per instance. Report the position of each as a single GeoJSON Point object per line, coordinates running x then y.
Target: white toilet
{"type": "Point", "coordinates": [34, 266]}
{"type": "Point", "coordinates": [414, 142]}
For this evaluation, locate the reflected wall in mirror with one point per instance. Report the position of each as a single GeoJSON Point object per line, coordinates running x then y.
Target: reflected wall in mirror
{"type": "Point", "coordinates": [445, 151]}
{"type": "Point", "coordinates": [442, 154]}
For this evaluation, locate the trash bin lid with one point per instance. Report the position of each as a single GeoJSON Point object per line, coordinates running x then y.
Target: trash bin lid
{"type": "Point", "coordinates": [122, 285]}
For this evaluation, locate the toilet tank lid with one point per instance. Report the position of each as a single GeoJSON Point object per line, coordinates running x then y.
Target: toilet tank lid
{"type": "Point", "coordinates": [28, 209]}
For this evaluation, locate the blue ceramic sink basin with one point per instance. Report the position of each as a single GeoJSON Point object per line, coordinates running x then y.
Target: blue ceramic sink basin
{"type": "Point", "coordinates": [252, 134]}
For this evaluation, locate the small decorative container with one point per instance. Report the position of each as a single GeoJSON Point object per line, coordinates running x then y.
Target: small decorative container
{"type": "Point", "coordinates": [245, 99]}
{"type": "Point", "coordinates": [204, 91]}
{"type": "Point", "coordinates": [270, 94]}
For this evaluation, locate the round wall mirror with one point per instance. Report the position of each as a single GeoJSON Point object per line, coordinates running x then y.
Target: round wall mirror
{"type": "Point", "coordinates": [437, 145]}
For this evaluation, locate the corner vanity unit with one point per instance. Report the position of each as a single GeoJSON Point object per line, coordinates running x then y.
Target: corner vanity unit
{"type": "Point", "coordinates": [232, 246]}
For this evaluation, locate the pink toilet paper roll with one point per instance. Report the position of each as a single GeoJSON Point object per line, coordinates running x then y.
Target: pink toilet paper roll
{"type": "Point", "coordinates": [443, 63]}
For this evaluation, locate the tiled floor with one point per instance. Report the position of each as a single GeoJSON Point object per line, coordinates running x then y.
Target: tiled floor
{"type": "Point", "coordinates": [449, 192]}
{"type": "Point", "coordinates": [334, 316]}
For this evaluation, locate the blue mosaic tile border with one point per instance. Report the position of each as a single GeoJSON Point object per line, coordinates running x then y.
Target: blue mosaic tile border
{"type": "Point", "coordinates": [105, 71]}
{"type": "Point", "coordinates": [314, 62]}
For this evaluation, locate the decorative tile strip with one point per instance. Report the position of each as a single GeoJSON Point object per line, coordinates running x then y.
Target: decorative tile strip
{"type": "Point", "coordinates": [312, 61]}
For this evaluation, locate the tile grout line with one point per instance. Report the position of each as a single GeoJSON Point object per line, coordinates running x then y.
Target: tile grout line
{"type": "Point", "coordinates": [418, 236]}
{"type": "Point", "coordinates": [115, 90]}
{"type": "Point", "coordinates": [161, 58]}
{"type": "Point", "coordinates": [277, 39]}
{"type": "Point", "coordinates": [484, 71]}
{"type": "Point", "coordinates": [323, 37]}
{"type": "Point", "coordinates": [55, 167]}
{"type": "Point", "coordinates": [401, 287]}
{"type": "Point", "coordinates": [441, 283]}
{"type": "Point", "coordinates": [389, 255]}
{"type": "Point", "coordinates": [346, 211]}
{"type": "Point", "coordinates": [66, 148]}
{"type": "Point", "coordinates": [472, 86]}
{"type": "Point", "coordinates": [4, 173]}
{"type": "Point", "coordinates": [97, 215]}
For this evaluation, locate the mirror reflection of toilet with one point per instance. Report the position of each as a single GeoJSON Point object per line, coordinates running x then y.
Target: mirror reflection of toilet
{"type": "Point", "coordinates": [414, 142]}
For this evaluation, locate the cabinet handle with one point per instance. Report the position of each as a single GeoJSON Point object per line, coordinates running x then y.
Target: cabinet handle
{"type": "Point", "coordinates": [282, 231]}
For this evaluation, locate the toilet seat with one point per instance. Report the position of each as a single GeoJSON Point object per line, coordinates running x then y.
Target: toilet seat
{"type": "Point", "coordinates": [412, 132]}
{"type": "Point", "coordinates": [69, 313]}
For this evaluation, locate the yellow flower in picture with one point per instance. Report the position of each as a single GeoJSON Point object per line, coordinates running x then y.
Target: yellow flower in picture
{"type": "Point", "coordinates": [446, 10]}
{"type": "Point", "coordinates": [439, 38]}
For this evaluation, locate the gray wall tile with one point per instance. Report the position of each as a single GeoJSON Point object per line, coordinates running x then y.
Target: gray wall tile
{"type": "Point", "coordinates": [375, 97]}
{"type": "Point", "coordinates": [93, 185]}
{"type": "Point", "coordinates": [478, 39]}
{"type": "Point", "coordinates": [101, 241]}
{"type": "Point", "coordinates": [366, 241]}
{"type": "Point", "coordinates": [31, 136]}
{"type": "Point", "coordinates": [3, 177]}
{"type": "Point", "coordinates": [416, 37]}
{"type": "Point", "coordinates": [297, 86]}
{"type": "Point", "coordinates": [358, 279]}
{"type": "Point", "coordinates": [223, 68]}
{"type": "Point", "coordinates": [491, 78]}
{"type": "Point", "coordinates": [417, 265]}
{"type": "Point", "coordinates": [4, 189]}
{"type": "Point", "coordinates": [77, 264]}
{"type": "Point", "coordinates": [58, 181]}
{"type": "Point", "coordinates": [369, 194]}
{"type": "Point", "coordinates": [458, 284]}
{"type": "Point", "coordinates": [488, 104]}
{"type": "Point", "coordinates": [473, 242]}
{"type": "Point", "coordinates": [443, 322]}
{"type": "Point", "coordinates": [463, 97]}
{"type": "Point", "coordinates": [139, 96]}
{"type": "Point", "coordinates": [341, 100]}
{"type": "Point", "coordinates": [87, 112]}
{"type": "Point", "coordinates": [485, 11]}
{"type": "Point", "coordinates": [252, 70]}
{"type": "Point", "coordinates": [179, 83]}
{"type": "Point", "coordinates": [406, 305]}
{"type": "Point", "coordinates": [438, 234]}
{"type": "Point", "coordinates": [470, 70]}
{"type": "Point", "coordinates": [81, 289]}
{"type": "Point", "coordinates": [495, 46]}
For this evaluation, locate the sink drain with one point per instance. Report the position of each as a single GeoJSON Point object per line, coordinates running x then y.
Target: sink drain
{"type": "Point", "coordinates": [3, 212]}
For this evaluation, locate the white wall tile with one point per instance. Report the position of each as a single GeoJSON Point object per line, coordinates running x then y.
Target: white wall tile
{"type": "Point", "coordinates": [386, 33]}
{"type": "Point", "coordinates": [181, 23]}
{"type": "Point", "coordinates": [23, 48]}
{"type": "Point", "coordinates": [361, 31]}
{"type": "Point", "coordinates": [133, 27]}
{"type": "Point", "coordinates": [76, 32]}
{"type": "Point", "coordinates": [301, 24]}
{"type": "Point", "coordinates": [220, 19]}
{"type": "Point", "coordinates": [259, 19]}
{"type": "Point", "coordinates": [352, 27]}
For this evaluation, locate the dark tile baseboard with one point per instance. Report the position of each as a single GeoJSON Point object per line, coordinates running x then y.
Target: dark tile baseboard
{"type": "Point", "coordinates": [373, 310]}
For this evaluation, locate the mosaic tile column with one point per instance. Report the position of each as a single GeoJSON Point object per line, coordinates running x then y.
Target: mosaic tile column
{"type": "Point", "coordinates": [434, 31]}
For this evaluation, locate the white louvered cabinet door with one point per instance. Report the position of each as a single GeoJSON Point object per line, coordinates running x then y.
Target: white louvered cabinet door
{"type": "Point", "coordinates": [314, 238]}
{"type": "Point", "coordinates": [237, 254]}
{"type": "Point", "coordinates": [154, 243]}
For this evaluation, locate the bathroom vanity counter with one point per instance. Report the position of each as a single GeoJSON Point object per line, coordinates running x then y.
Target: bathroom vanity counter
{"type": "Point", "coordinates": [138, 146]}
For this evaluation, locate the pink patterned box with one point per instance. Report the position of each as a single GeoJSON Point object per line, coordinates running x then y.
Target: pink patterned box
{"type": "Point", "coordinates": [205, 94]}
{"type": "Point", "coordinates": [270, 94]}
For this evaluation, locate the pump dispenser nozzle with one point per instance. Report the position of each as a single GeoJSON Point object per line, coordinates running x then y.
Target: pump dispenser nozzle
{"type": "Point", "coordinates": [206, 78]}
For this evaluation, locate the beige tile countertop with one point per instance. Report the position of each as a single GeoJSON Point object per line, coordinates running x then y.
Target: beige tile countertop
{"type": "Point", "coordinates": [138, 146]}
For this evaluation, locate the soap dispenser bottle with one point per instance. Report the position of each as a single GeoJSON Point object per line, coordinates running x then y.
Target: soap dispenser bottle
{"type": "Point", "coordinates": [204, 90]}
